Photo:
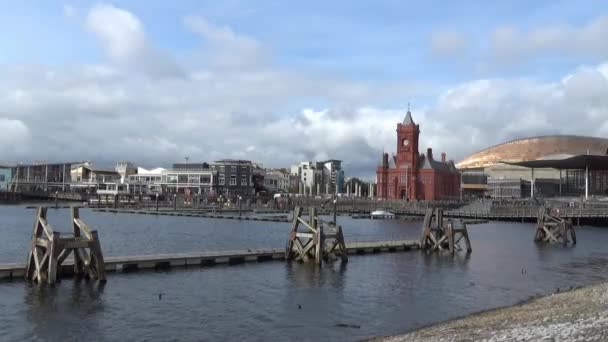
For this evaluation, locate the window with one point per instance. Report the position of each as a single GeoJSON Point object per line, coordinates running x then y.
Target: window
{"type": "Point", "coordinates": [222, 168]}
{"type": "Point", "coordinates": [205, 179]}
{"type": "Point", "coordinates": [222, 180]}
{"type": "Point", "coordinates": [244, 180]}
{"type": "Point", "coordinates": [402, 179]}
{"type": "Point", "coordinates": [182, 179]}
{"type": "Point", "coordinates": [171, 178]}
{"type": "Point", "coordinates": [233, 180]}
{"type": "Point", "coordinates": [233, 168]}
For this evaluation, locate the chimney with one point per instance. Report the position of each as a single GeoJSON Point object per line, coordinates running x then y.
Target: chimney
{"type": "Point", "coordinates": [429, 153]}
{"type": "Point", "coordinates": [443, 157]}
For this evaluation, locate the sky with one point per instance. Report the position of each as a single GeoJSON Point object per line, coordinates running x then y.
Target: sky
{"type": "Point", "coordinates": [278, 82]}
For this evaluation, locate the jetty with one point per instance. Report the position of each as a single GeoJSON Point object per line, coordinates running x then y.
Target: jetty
{"type": "Point", "coordinates": [17, 271]}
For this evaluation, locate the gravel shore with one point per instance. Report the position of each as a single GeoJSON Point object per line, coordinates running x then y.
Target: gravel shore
{"type": "Point", "coordinates": [577, 315]}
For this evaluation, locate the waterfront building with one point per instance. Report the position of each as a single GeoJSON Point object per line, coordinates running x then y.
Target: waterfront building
{"type": "Point", "coordinates": [414, 176]}
{"type": "Point", "coordinates": [150, 179]}
{"type": "Point", "coordinates": [42, 176]}
{"type": "Point", "coordinates": [485, 172]}
{"type": "Point", "coordinates": [188, 178]}
{"type": "Point", "coordinates": [234, 178]}
{"type": "Point", "coordinates": [319, 178]}
{"type": "Point", "coordinates": [125, 169]}
{"type": "Point", "coordinates": [5, 177]}
{"type": "Point", "coordinates": [277, 180]}
{"type": "Point", "coordinates": [332, 176]}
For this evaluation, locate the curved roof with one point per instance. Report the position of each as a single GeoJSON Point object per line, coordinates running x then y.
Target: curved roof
{"type": "Point", "coordinates": [533, 148]}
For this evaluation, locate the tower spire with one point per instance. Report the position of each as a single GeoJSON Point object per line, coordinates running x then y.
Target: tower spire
{"type": "Point", "coordinates": [408, 117]}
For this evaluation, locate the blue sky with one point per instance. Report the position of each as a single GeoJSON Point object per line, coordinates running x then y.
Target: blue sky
{"type": "Point", "coordinates": [309, 65]}
{"type": "Point", "coordinates": [367, 40]}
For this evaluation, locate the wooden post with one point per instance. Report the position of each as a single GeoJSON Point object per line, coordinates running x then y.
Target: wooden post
{"type": "Point", "coordinates": [53, 253]}
{"type": "Point", "coordinates": [78, 262]}
{"type": "Point", "coordinates": [96, 251]}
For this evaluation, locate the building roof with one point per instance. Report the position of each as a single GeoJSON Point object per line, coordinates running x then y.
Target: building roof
{"type": "Point", "coordinates": [534, 148]}
{"type": "Point", "coordinates": [190, 166]}
{"type": "Point", "coordinates": [426, 163]}
{"type": "Point", "coordinates": [232, 161]}
{"type": "Point", "coordinates": [578, 162]}
{"type": "Point", "coordinates": [408, 118]}
{"type": "Point", "coordinates": [156, 171]}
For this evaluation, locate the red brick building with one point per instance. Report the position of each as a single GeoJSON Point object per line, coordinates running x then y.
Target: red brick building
{"type": "Point", "coordinates": [414, 176]}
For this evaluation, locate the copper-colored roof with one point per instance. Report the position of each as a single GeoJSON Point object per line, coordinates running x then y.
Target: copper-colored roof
{"type": "Point", "coordinates": [527, 149]}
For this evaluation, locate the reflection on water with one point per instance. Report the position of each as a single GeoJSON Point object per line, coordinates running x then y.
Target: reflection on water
{"type": "Point", "coordinates": [368, 296]}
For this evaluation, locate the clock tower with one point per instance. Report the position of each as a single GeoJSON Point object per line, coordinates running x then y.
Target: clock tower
{"type": "Point", "coordinates": [407, 143]}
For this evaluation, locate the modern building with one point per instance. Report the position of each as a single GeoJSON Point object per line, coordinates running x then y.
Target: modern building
{"type": "Point", "coordinates": [189, 179]}
{"type": "Point", "coordinates": [319, 178]}
{"type": "Point", "coordinates": [414, 176]}
{"type": "Point", "coordinates": [5, 177]}
{"type": "Point", "coordinates": [499, 164]}
{"type": "Point", "coordinates": [42, 176]}
{"type": "Point", "coordinates": [332, 176]}
{"type": "Point", "coordinates": [235, 178]}
{"type": "Point", "coordinates": [151, 179]}
{"type": "Point", "coordinates": [125, 169]}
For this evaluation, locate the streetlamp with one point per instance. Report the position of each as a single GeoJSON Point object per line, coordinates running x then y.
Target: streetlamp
{"type": "Point", "coordinates": [175, 202]}
{"type": "Point", "coordinates": [157, 201]}
{"type": "Point", "coordinates": [240, 198]}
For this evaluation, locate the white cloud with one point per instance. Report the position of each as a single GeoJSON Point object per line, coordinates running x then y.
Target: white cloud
{"type": "Point", "coordinates": [447, 44]}
{"type": "Point", "coordinates": [265, 113]}
{"type": "Point", "coordinates": [123, 38]}
{"type": "Point", "coordinates": [14, 137]}
{"type": "Point", "coordinates": [226, 47]}
{"type": "Point", "coordinates": [510, 44]}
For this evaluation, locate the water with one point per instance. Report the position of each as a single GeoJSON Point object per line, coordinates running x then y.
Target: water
{"type": "Point", "coordinates": [375, 295]}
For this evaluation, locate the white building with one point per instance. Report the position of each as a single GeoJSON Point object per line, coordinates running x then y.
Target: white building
{"type": "Point", "coordinates": [276, 180]}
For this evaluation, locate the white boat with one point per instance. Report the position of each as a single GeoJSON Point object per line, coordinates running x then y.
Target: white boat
{"type": "Point", "coordinates": [381, 214]}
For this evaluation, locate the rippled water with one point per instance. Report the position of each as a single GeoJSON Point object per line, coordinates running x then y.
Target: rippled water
{"type": "Point", "coordinates": [373, 295]}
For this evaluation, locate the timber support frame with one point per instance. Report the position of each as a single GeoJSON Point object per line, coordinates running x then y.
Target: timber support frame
{"type": "Point", "coordinates": [552, 228]}
{"type": "Point", "coordinates": [314, 240]}
{"type": "Point", "coordinates": [49, 250]}
{"type": "Point", "coordinates": [438, 235]}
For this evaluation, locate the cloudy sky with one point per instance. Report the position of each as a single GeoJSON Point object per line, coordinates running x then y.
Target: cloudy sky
{"type": "Point", "coordinates": [283, 81]}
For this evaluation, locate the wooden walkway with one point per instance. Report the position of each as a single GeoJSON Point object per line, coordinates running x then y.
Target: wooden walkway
{"type": "Point", "coordinates": [192, 213]}
{"type": "Point", "coordinates": [198, 259]}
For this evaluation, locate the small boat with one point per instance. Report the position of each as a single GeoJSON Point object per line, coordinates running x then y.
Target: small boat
{"type": "Point", "coordinates": [382, 214]}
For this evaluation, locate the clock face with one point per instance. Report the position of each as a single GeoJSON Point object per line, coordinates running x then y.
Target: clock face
{"type": "Point", "coordinates": [406, 142]}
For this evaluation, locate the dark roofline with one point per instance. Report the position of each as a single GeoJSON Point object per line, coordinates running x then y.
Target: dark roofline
{"type": "Point", "coordinates": [578, 162]}
{"type": "Point", "coordinates": [536, 137]}
{"type": "Point", "coordinates": [51, 164]}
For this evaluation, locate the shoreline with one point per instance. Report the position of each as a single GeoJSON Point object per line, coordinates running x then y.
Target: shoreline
{"type": "Point", "coordinates": [580, 313]}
